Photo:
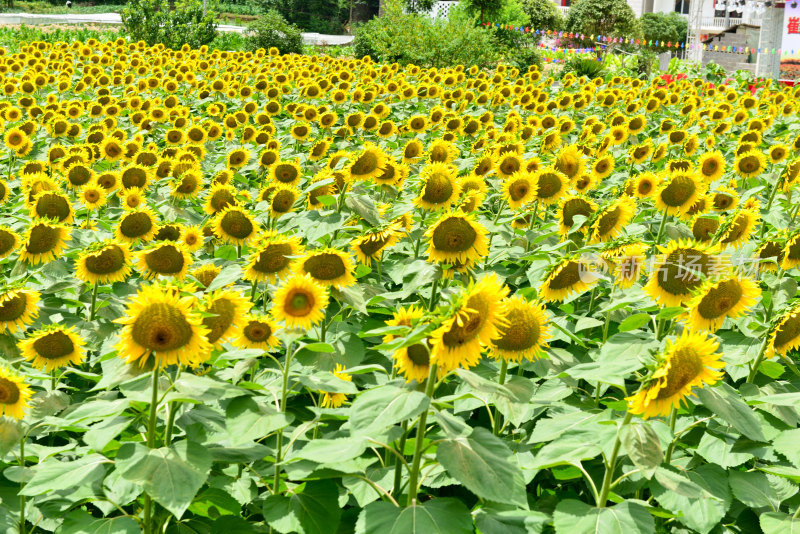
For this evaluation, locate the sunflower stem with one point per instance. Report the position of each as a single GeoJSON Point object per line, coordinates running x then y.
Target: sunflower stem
{"type": "Point", "coordinates": [661, 229]}
{"type": "Point", "coordinates": [502, 380]}
{"type": "Point", "coordinates": [253, 291]}
{"type": "Point", "coordinates": [398, 466]}
{"type": "Point", "coordinates": [21, 485]}
{"type": "Point", "coordinates": [418, 446]}
{"type": "Point", "coordinates": [94, 302]}
{"type": "Point", "coordinates": [612, 464]}
{"type": "Point", "coordinates": [591, 301]}
{"type": "Point", "coordinates": [608, 314]}
{"type": "Point", "coordinates": [151, 443]}
{"type": "Point", "coordinates": [173, 409]}
{"type": "Point", "coordinates": [434, 292]}
{"type": "Point", "coordinates": [380, 271]}
{"type": "Point", "coordinates": [673, 416]}
{"type": "Point", "coordinates": [499, 210]}
{"type": "Point", "coordinates": [760, 358]}
{"type": "Point", "coordinates": [282, 408]}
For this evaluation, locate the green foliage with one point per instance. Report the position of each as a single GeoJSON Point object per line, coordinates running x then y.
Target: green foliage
{"type": "Point", "coordinates": [272, 30]}
{"type": "Point", "coordinates": [409, 38]}
{"type": "Point", "coordinates": [152, 21]}
{"type": "Point", "coordinates": [321, 16]}
{"type": "Point", "coordinates": [602, 17]}
{"type": "Point", "coordinates": [486, 9]}
{"type": "Point", "coordinates": [584, 66]}
{"type": "Point", "coordinates": [664, 27]}
{"type": "Point", "coordinates": [543, 14]}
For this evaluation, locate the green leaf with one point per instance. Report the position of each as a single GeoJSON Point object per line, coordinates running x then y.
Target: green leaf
{"type": "Point", "coordinates": [699, 500]}
{"type": "Point", "coordinates": [10, 434]}
{"type": "Point", "coordinates": [780, 399]}
{"type": "Point", "coordinates": [80, 522]}
{"type": "Point", "coordinates": [499, 519]}
{"type": "Point", "coordinates": [170, 475]}
{"type": "Point", "coordinates": [643, 447]}
{"type": "Point", "coordinates": [384, 406]}
{"type": "Point", "coordinates": [314, 510]}
{"type": "Point", "coordinates": [612, 372]}
{"type": "Point", "coordinates": [227, 275]}
{"type": "Point", "coordinates": [567, 450]}
{"type": "Point", "coordinates": [480, 463]}
{"type": "Point", "coordinates": [576, 517]}
{"type": "Point", "coordinates": [52, 475]}
{"type": "Point", "coordinates": [437, 516]}
{"type": "Point", "coordinates": [725, 402]}
{"type": "Point", "coordinates": [331, 451]}
{"type": "Point", "coordinates": [753, 489]}
{"type": "Point", "coordinates": [634, 321]}
{"type": "Point", "coordinates": [779, 523]}
{"type": "Point", "coordinates": [246, 420]}
{"type": "Point", "coordinates": [319, 347]}
{"type": "Point", "coordinates": [364, 207]}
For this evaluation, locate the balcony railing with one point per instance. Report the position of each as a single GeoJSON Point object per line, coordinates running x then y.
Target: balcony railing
{"type": "Point", "coordinates": [564, 10]}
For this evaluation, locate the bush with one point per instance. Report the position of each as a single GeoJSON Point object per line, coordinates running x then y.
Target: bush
{"type": "Point", "coordinates": [272, 30]}
{"type": "Point", "coordinates": [664, 27]}
{"type": "Point", "coordinates": [152, 21]}
{"type": "Point", "coordinates": [543, 14]}
{"type": "Point", "coordinates": [602, 17]}
{"type": "Point", "coordinates": [524, 58]}
{"type": "Point", "coordinates": [409, 38]}
{"type": "Point", "coordinates": [584, 66]}
{"type": "Point", "coordinates": [322, 16]}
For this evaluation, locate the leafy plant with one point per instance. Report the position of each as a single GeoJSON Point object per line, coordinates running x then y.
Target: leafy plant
{"type": "Point", "coordinates": [543, 14]}
{"type": "Point", "coordinates": [173, 25]}
{"type": "Point", "coordinates": [272, 31]}
{"type": "Point", "coordinates": [611, 18]}
{"type": "Point", "coordinates": [664, 27]}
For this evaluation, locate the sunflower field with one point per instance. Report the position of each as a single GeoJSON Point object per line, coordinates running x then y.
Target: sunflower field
{"type": "Point", "coordinates": [245, 292]}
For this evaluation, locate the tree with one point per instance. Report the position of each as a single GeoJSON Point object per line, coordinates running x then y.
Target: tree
{"type": "Point", "coordinates": [488, 9]}
{"type": "Point", "coordinates": [602, 17]}
{"type": "Point", "coordinates": [543, 14]}
{"type": "Point", "coordinates": [664, 27]}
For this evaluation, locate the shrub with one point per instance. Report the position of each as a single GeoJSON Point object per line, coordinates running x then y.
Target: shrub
{"type": "Point", "coordinates": [584, 66]}
{"type": "Point", "coordinates": [409, 38]}
{"type": "Point", "coordinates": [664, 27]}
{"type": "Point", "coordinates": [322, 16]}
{"type": "Point", "coordinates": [543, 14]}
{"type": "Point", "coordinates": [152, 21]}
{"type": "Point", "coordinates": [602, 17]}
{"type": "Point", "coordinates": [272, 30]}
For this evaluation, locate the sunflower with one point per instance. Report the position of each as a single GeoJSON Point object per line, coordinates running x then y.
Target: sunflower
{"type": "Point", "coordinates": [371, 245]}
{"type": "Point", "coordinates": [257, 332]}
{"type": "Point", "coordinates": [224, 312]}
{"type": "Point", "coordinates": [327, 267]}
{"type": "Point", "coordinates": [640, 153]}
{"type": "Point", "coordinates": [791, 253]}
{"type": "Point", "coordinates": [285, 172]}
{"type": "Point", "coordinates": [684, 266]}
{"type": "Point", "coordinates": [18, 309]}
{"type": "Point", "coordinates": [53, 347]}
{"type": "Point", "coordinates": [571, 206]}
{"type": "Point", "coordinates": [704, 227]}
{"type": "Point", "coordinates": [613, 219]}
{"type": "Point", "coordinates": [441, 151]}
{"type": "Point", "coordinates": [104, 263]}
{"type": "Point", "coordinates": [678, 193]}
{"type": "Point", "coordinates": [9, 241]}
{"type": "Point", "coordinates": [93, 196]}
{"type": "Point", "coordinates": [769, 255]}
{"type": "Point", "coordinates": [335, 400]}
{"type": "Point", "coordinates": [44, 241]}
{"type": "Point", "coordinates": [750, 163]}
{"type": "Point", "coordinates": [412, 151]}
{"type": "Point", "coordinates": [740, 227]}
{"type": "Point", "coordinates": [724, 199]}
{"type": "Point", "coordinates": [571, 275]}
{"type": "Point", "coordinates": [165, 258]}
{"type": "Point", "coordinates": [16, 140]}
{"type": "Point", "coordinates": [551, 185]}
{"type": "Point", "coordinates": [274, 257]}
{"type": "Point", "coordinates": [14, 394]}
{"type": "Point", "coordinates": [603, 167]}
{"type": "Point", "coordinates": [300, 302]}
{"type": "Point", "coordinates": [220, 196]}
{"type": "Point", "coordinates": [136, 225]}
{"type": "Point", "coordinates": [237, 158]}
{"type": "Point", "coordinates": [52, 205]}
{"type": "Point", "coordinates": [472, 324]}
{"type": "Point", "coordinates": [413, 361]}
{"type": "Point", "coordinates": [205, 274]}
{"type": "Point", "coordinates": [519, 189]}
{"type": "Point", "coordinates": [439, 187]}
{"type": "Point", "coordinates": [134, 176]}
{"type": "Point", "coordinates": [111, 150]}
{"type": "Point", "coordinates": [628, 260]}
{"type": "Point", "coordinates": [235, 225]}
{"type": "Point", "coordinates": [728, 296]}
{"type": "Point", "coordinates": [188, 185]}
{"type": "Point", "coordinates": [508, 164]}
{"type": "Point", "coordinates": [192, 238]}
{"type": "Point", "coordinates": [457, 238]}
{"type": "Point", "coordinates": [368, 163]}
{"type": "Point", "coordinates": [131, 198]}
{"type": "Point", "coordinates": [778, 153]}
{"type": "Point", "coordinates": [689, 361]}
{"type": "Point", "coordinates": [282, 200]}
{"type": "Point", "coordinates": [785, 334]}
{"type": "Point", "coordinates": [711, 166]}
{"type": "Point", "coordinates": [161, 324]}
{"type": "Point", "coordinates": [524, 332]}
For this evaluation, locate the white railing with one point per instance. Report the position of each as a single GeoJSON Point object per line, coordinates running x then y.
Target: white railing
{"type": "Point", "coordinates": [564, 10]}
{"type": "Point", "coordinates": [442, 9]}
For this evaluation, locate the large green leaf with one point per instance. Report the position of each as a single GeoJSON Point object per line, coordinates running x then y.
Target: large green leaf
{"type": "Point", "coordinates": [576, 517]}
{"type": "Point", "coordinates": [52, 475]}
{"type": "Point", "coordinates": [725, 402]}
{"type": "Point", "coordinates": [501, 519]}
{"type": "Point", "coordinates": [437, 516]}
{"type": "Point", "coordinates": [699, 500]}
{"type": "Point", "coordinates": [170, 475]}
{"type": "Point", "coordinates": [786, 444]}
{"type": "Point", "coordinates": [779, 523]}
{"type": "Point", "coordinates": [80, 522]}
{"type": "Point", "coordinates": [643, 447]}
{"type": "Point", "coordinates": [480, 462]}
{"type": "Point", "coordinates": [753, 489]}
{"type": "Point", "coordinates": [331, 451]}
{"type": "Point", "coordinates": [381, 407]}
{"type": "Point", "coordinates": [314, 510]}
{"type": "Point", "coordinates": [247, 420]}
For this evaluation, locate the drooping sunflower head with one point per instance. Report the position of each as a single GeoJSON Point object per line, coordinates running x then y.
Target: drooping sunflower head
{"type": "Point", "coordinates": [524, 332]}
{"type": "Point", "coordinates": [44, 241]}
{"type": "Point", "coordinates": [791, 252]}
{"type": "Point", "coordinates": [328, 267]}
{"type": "Point", "coordinates": [104, 263]}
{"type": "Point", "coordinates": [52, 347]}
{"type": "Point", "coordinates": [136, 225]}
{"type": "Point", "coordinates": [188, 185]}
{"type": "Point", "coordinates": [165, 258]}
{"type": "Point", "coordinates": [235, 225]}
{"type": "Point", "coordinates": [456, 238]}
{"type": "Point", "coordinates": [371, 245]}
{"type": "Point", "coordinates": [690, 361]}
{"type": "Point", "coordinates": [551, 185]}
{"type": "Point", "coordinates": [682, 268]}
{"type": "Point", "coordinates": [678, 193]}
{"type": "Point", "coordinates": [769, 255]}
{"type": "Point", "coordinates": [439, 186]}
{"type": "Point", "coordinates": [739, 227]}
{"type": "Point", "coordinates": [52, 205]}
{"type": "Point", "coordinates": [441, 151]}
{"type": "Point", "coordinates": [205, 274]}
{"type": "Point", "coordinates": [18, 309]}
{"type": "Point", "coordinates": [727, 296]}
{"type": "Point", "coordinates": [724, 199]}
{"type": "Point", "coordinates": [784, 335]}
{"type": "Point", "coordinates": [224, 312]}
{"type": "Point", "coordinates": [160, 326]}
{"type": "Point", "coordinates": [472, 324]}
{"type": "Point", "coordinates": [413, 362]}
{"type": "Point", "coordinates": [300, 302]}
{"type": "Point", "coordinates": [368, 163]}
{"type": "Point", "coordinates": [14, 394]}
{"type": "Point", "coordinates": [613, 219]}
{"type": "Point", "coordinates": [750, 163]}
{"type": "Point", "coordinates": [573, 206]}
{"type": "Point", "coordinates": [257, 332]}
{"type": "Point", "coordinates": [569, 276]}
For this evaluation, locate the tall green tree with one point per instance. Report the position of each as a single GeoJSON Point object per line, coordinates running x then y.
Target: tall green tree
{"type": "Point", "coordinates": [602, 17]}
{"type": "Point", "coordinates": [664, 27]}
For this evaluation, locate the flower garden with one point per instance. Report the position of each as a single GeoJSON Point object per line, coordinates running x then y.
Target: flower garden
{"type": "Point", "coordinates": [245, 292]}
